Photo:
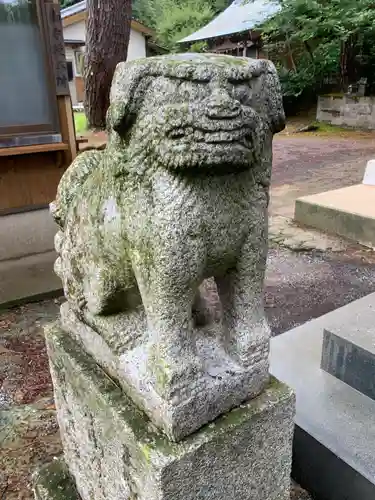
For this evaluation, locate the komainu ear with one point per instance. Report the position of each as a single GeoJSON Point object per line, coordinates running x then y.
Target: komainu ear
{"type": "Point", "coordinates": [126, 80]}
{"type": "Point", "coordinates": [117, 116]}
{"type": "Point", "coordinates": [267, 96]}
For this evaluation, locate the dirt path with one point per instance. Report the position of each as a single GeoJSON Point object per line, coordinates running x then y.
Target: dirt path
{"type": "Point", "coordinates": [299, 286]}
{"type": "Point", "coordinates": [306, 164]}
{"type": "Point", "coordinates": [28, 428]}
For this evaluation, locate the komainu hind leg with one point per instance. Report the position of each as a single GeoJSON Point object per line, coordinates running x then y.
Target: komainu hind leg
{"type": "Point", "coordinates": [107, 292]}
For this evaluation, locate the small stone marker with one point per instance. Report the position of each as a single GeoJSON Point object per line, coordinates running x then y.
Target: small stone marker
{"type": "Point", "coordinates": [162, 252]}
{"type": "Point", "coordinates": [369, 177]}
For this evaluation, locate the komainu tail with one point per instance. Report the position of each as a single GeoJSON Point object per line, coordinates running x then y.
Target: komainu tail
{"type": "Point", "coordinates": [71, 183]}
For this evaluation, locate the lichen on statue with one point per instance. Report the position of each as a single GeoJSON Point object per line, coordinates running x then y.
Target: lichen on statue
{"type": "Point", "coordinates": [178, 196]}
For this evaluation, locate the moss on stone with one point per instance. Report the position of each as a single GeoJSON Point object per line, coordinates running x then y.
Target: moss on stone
{"type": "Point", "coordinates": [234, 61]}
{"type": "Point", "coordinates": [53, 482]}
{"type": "Point", "coordinates": [146, 451]}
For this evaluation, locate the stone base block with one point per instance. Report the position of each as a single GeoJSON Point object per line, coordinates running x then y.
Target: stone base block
{"type": "Point", "coordinates": [334, 440]}
{"type": "Point", "coordinates": [122, 349]}
{"type": "Point", "coordinates": [114, 452]}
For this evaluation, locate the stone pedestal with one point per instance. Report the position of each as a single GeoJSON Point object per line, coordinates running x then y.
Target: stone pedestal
{"type": "Point", "coordinates": [224, 384]}
{"type": "Point", "coordinates": [114, 452]}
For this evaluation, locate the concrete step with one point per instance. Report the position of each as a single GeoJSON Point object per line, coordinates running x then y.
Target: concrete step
{"type": "Point", "coordinates": [334, 445]}
{"type": "Point", "coordinates": [348, 212]}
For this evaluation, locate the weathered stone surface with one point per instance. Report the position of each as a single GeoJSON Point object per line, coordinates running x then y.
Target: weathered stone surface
{"type": "Point", "coordinates": [45, 490]}
{"type": "Point", "coordinates": [179, 195]}
{"type": "Point", "coordinates": [348, 353]}
{"type": "Point", "coordinates": [114, 452]}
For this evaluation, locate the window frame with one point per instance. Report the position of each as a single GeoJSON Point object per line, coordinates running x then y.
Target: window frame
{"type": "Point", "coordinates": [39, 129]}
{"type": "Point", "coordinates": [78, 52]}
{"type": "Point", "coordinates": [70, 62]}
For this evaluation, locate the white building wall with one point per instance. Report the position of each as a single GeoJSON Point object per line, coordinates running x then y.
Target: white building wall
{"type": "Point", "coordinates": [137, 45]}
{"type": "Point", "coordinates": [76, 31]}
{"type": "Point", "coordinates": [137, 41]}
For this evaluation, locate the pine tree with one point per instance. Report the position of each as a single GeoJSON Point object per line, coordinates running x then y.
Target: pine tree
{"type": "Point", "coordinates": [107, 39]}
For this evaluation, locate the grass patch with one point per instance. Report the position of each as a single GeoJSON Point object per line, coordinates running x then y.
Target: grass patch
{"type": "Point", "coordinates": [80, 122]}
{"type": "Point", "coordinates": [327, 128]}
{"type": "Point", "coordinates": [334, 94]}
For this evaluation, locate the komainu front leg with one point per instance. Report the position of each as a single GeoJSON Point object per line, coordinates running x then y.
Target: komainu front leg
{"type": "Point", "coordinates": [167, 296]}
{"type": "Point", "coordinates": [241, 294]}
{"type": "Point", "coordinates": [173, 361]}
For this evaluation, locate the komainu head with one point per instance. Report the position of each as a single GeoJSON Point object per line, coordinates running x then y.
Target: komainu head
{"type": "Point", "coordinates": [195, 111]}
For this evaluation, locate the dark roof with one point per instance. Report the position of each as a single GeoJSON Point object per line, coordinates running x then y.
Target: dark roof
{"type": "Point", "coordinates": [71, 41]}
{"type": "Point", "coordinates": [73, 9]}
{"type": "Point", "coordinates": [241, 15]}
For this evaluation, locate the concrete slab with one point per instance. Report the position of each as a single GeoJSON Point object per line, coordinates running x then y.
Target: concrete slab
{"type": "Point", "coordinates": [334, 422]}
{"type": "Point", "coordinates": [27, 256]}
{"type": "Point", "coordinates": [348, 351]}
{"type": "Point", "coordinates": [348, 212]}
{"type": "Point", "coordinates": [357, 327]}
{"type": "Point", "coordinates": [26, 233]}
{"type": "Point", "coordinates": [28, 278]}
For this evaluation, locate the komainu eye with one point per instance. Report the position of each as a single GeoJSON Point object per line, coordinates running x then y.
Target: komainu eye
{"type": "Point", "coordinates": [242, 92]}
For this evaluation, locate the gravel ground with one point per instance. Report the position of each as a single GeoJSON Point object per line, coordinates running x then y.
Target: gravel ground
{"type": "Point", "coordinates": [303, 286]}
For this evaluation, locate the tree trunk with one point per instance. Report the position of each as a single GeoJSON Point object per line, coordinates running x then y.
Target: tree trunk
{"type": "Point", "coordinates": [107, 39]}
{"type": "Point", "coordinates": [290, 53]}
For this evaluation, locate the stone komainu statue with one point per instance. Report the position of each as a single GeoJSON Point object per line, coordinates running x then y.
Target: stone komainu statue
{"type": "Point", "coordinates": [179, 195]}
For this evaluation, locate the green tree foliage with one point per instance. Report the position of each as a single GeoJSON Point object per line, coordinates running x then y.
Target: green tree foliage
{"type": "Point", "coordinates": [67, 3]}
{"type": "Point", "coordinates": [314, 40]}
{"type": "Point", "coordinates": [145, 11]}
{"type": "Point", "coordinates": [175, 19]}
{"type": "Point", "coordinates": [219, 5]}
